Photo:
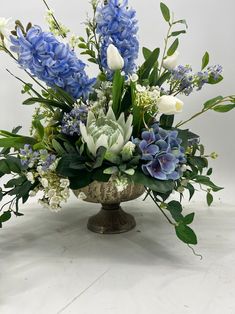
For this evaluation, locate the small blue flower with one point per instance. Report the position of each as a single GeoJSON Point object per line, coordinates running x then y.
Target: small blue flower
{"type": "Point", "coordinates": [52, 62]}
{"type": "Point", "coordinates": [117, 25]}
{"type": "Point", "coordinates": [71, 121]}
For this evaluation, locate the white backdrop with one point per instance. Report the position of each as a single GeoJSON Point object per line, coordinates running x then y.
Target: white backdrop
{"type": "Point", "coordinates": [211, 28]}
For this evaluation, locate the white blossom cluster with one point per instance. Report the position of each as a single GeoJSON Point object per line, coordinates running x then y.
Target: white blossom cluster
{"type": "Point", "coordinates": [55, 189]}
{"type": "Point", "coordinates": [147, 97]}
{"type": "Point", "coordinates": [104, 97]}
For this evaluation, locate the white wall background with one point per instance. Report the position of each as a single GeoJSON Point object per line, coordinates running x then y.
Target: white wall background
{"type": "Point", "coordinates": [211, 28]}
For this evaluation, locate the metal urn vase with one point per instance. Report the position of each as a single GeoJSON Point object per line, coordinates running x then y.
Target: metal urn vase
{"type": "Point", "coordinates": [111, 219]}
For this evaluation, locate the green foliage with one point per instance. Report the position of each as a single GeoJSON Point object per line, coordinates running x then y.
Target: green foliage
{"type": "Point", "coordinates": [117, 92]}
{"type": "Point", "coordinates": [173, 47]}
{"type": "Point", "coordinates": [166, 121]}
{"type": "Point", "coordinates": [165, 12]}
{"type": "Point", "coordinates": [48, 102]}
{"type": "Point", "coordinates": [209, 198]}
{"type": "Point", "coordinates": [186, 234]}
{"type": "Point", "coordinates": [148, 65]}
{"type": "Point", "coordinates": [153, 184]}
{"type": "Point", "coordinates": [224, 108]}
{"type": "Point", "coordinates": [175, 208]}
{"type": "Point", "coordinates": [205, 60]}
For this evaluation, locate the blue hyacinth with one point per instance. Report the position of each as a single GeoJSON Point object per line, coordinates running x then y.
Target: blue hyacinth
{"type": "Point", "coordinates": [71, 121]}
{"type": "Point", "coordinates": [117, 25]}
{"type": "Point", "coordinates": [52, 62]}
{"type": "Point", "coordinates": [162, 153]}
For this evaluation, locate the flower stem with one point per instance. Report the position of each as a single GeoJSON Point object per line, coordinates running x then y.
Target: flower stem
{"type": "Point", "coordinates": [55, 20]}
{"type": "Point", "coordinates": [165, 46]}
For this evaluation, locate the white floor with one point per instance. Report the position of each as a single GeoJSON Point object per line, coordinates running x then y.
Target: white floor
{"type": "Point", "coordinates": [50, 263]}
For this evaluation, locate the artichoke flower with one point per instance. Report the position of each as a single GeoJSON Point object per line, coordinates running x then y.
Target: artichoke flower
{"type": "Point", "coordinates": [106, 131]}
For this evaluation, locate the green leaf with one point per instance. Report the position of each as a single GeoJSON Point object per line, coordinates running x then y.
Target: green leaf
{"type": "Point", "coordinates": [14, 164]}
{"type": "Point", "coordinates": [163, 78]}
{"type": "Point", "coordinates": [146, 68]}
{"type": "Point", "coordinates": [181, 22]}
{"type": "Point", "coordinates": [52, 103]}
{"type": "Point", "coordinates": [206, 181]}
{"type": "Point", "coordinates": [209, 172]}
{"type": "Point", "coordinates": [82, 180]}
{"type": "Point", "coordinates": [58, 148]}
{"type": "Point", "coordinates": [205, 60]}
{"type": "Point", "coordinates": [209, 198]}
{"type": "Point", "coordinates": [146, 53]}
{"type": "Point", "coordinates": [224, 108]}
{"type": "Point", "coordinates": [173, 47]}
{"type": "Point", "coordinates": [198, 162]}
{"type": "Point", "coordinates": [118, 85]}
{"type": "Point", "coordinates": [186, 234]}
{"type": "Point", "coordinates": [126, 100]}
{"type": "Point", "coordinates": [153, 78]}
{"type": "Point", "coordinates": [188, 219]}
{"type": "Point", "coordinates": [39, 128]}
{"type": "Point", "coordinates": [111, 170]}
{"type": "Point", "coordinates": [14, 182]}
{"type": "Point", "coordinates": [16, 142]}
{"type": "Point", "coordinates": [99, 175]}
{"type": "Point", "coordinates": [70, 165]}
{"type": "Point", "coordinates": [191, 190]}
{"type": "Point", "coordinates": [4, 167]}
{"type": "Point", "coordinates": [5, 216]}
{"type": "Point", "coordinates": [177, 33]}
{"type": "Point", "coordinates": [209, 104]}
{"type": "Point", "coordinates": [175, 208]}
{"type": "Point", "coordinates": [99, 157]}
{"type": "Point", "coordinates": [153, 184]}
{"type": "Point", "coordinates": [166, 121]}
{"type": "Point", "coordinates": [213, 81]}
{"type": "Point", "coordinates": [165, 12]}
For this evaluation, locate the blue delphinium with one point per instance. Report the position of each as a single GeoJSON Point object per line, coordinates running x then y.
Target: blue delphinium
{"type": "Point", "coordinates": [51, 61]}
{"type": "Point", "coordinates": [117, 25]}
{"type": "Point", "coordinates": [185, 81]}
{"type": "Point", "coordinates": [71, 121]}
{"type": "Point", "coordinates": [162, 153]}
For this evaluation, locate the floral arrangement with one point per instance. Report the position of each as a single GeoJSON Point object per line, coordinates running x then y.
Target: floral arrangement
{"type": "Point", "coordinates": [116, 126]}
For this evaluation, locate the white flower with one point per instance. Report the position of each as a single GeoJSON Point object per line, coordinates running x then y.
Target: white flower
{"type": "Point", "coordinates": [5, 26]}
{"type": "Point", "coordinates": [51, 193]}
{"type": "Point", "coordinates": [30, 177]}
{"type": "Point", "coordinates": [169, 105]}
{"type": "Point", "coordinates": [183, 168]}
{"type": "Point", "coordinates": [44, 182]}
{"type": "Point", "coordinates": [32, 193]}
{"type": "Point", "coordinates": [106, 131]}
{"type": "Point", "coordinates": [140, 88]}
{"type": "Point", "coordinates": [134, 77]}
{"type": "Point", "coordinates": [64, 183]}
{"type": "Point", "coordinates": [171, 62]}
{"type": "Point", "coordinates": [55, 200]}
{"type": "Point", "coordinates": [114, 59]}
{"type": "Point", "coordinates": [65, 194]}
{"type": "Point", "coordinates": [82, 196]}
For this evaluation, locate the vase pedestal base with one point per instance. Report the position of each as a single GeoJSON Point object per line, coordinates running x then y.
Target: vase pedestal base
{"type": "Point", "coordinates": [111, 220]}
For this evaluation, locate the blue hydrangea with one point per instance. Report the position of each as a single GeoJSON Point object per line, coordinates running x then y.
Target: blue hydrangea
{"type": "Point", "coordinates": [52, 62]}
{"type": "Point", "coordinates": [117, 25]}
{"type": "Point", "coordinates": [162, 153]}
{"type": "Point", "coordinates": [71, 121]}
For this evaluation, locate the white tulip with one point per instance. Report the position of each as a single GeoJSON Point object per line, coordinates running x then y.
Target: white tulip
{"type": "Point", "coordinates": [170, 63]}
{"type": "Point", "coordinates": [114, 59]}
{"type": "Point", "coordinates": [5, 26]}
{"type": "Point", "coordinates": [169, 105]}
